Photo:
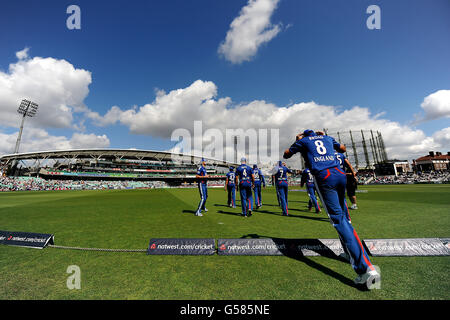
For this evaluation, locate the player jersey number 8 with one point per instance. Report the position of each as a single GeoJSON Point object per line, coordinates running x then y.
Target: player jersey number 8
{"type": "Point", "coordinates": [320, 147]}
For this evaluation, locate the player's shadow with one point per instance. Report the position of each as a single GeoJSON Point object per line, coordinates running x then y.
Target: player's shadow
{"type": "Point", "coordinates": [230, 213]}
{"type": "Point", "coordinates": [289, 244]}
{"type": "Point", "coordinates": [300, 201]}
{"type": "Point", "coordinates": [222, 205]}
{"type": "Point", "coordinates": [189, 211]}
{"type": "Point", "coordinates": [271, 205]}
{"type": "Point", "coordinates": [293, 215]}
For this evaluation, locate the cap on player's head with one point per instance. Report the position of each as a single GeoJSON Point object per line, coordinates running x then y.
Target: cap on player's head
{"type": "Point", "coordinates": [243, 160]}
{"type": "Point", "coordinates": [203, 161]}
{"type": "Point", "coordinates": [309, 132]}
{"type": "Point", "coordinates": [255, 166]}
{"type": "Point", "coordinates": [231, 168]}
{"type": "Point", "coordinates": [280, 163]}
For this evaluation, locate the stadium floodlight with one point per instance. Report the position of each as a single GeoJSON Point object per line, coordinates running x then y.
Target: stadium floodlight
{"type": "Point", "coordinates": [27, 108]}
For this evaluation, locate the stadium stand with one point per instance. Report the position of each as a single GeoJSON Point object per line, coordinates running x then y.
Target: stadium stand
{"type": "Point", "coordinates": [40, 184]}
{"type": "Point", "coordinates": [107, 168]}
{"type": "Point", "coordinates": [133, 169]}
{"type": "Point", "coordinates": [410, 178]}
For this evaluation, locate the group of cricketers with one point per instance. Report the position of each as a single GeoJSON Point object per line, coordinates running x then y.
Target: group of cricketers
{"type": "Point", "coordinates": [248, 182]}
{"type": "Point", "coordinates": [328, 173]}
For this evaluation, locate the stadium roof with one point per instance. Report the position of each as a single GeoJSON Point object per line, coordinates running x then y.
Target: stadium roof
{"type": "Point", "coordinates": [434, 158]}
{"type": "Point", "coordinates": [118, 154]}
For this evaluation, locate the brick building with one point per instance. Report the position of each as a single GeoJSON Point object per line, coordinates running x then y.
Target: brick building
{"type": "Point", "coordinates": [434, 161]}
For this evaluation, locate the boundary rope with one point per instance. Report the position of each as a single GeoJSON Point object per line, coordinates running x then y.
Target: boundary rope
{"type": "Point", "coordinates": [97, 249]}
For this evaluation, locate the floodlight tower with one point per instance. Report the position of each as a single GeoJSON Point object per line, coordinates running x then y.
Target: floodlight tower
{"type": "Point", "coordinates": [27, 108]}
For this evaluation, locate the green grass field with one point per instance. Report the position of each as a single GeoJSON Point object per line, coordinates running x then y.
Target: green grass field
{"type": "Point", "coordinates": [129, 218]}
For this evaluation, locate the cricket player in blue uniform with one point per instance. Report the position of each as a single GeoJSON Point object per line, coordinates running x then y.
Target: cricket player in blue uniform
{"type": "Point", "coordinates": [343, 163]}
{"type": "Point", "coordinates": [259, 180]}
{"type": "Point", "coordinates": [318, 153]}
{"type": "Point", "coordinates": [274, 182]}
{"type": "Point", "coordinates": [352, 183]}
{"type": "Point", "coordinates": [202, 188]}
{"type": "Point", "coordinates": [308, 179]}
{"type": "Point", "coordinates": [281, 181]}
{"type": "Point", "coordinates": [245, 183]}
{"type": "Point", "coordinates": [230, 186]}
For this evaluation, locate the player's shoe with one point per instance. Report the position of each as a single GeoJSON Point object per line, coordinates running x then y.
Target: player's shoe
{"type": "Point", "coordinates": [249, 213]}
{"type": "Point", "coordinates": [198, 214]}
{"type": "Point", "coordinates": [369, 278]}
{"type": "Point", "coordinates": [206, 210]}
{"type": "Point", "coordinates": [354, 207]}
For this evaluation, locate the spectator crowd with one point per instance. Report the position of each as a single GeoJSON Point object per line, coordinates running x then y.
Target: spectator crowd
{"type": "Point", "coordinates": [410, 178]}
{"type": "Point", "coordinates": [39, 184]}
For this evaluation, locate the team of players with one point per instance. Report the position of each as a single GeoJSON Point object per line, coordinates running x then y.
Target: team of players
{"type": "Point", "coordinates": [246, 179]}
{"type": "Point", "coordinates": [325, 174]}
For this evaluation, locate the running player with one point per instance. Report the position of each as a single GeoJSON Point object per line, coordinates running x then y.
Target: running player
{"type": "Point", "coordinates": [281, 181]}
{"type": "Point", "coordinates": [202, 188]}
{"type": "Point", "coordinates": [318, 153]}
{"type": "Point", "coordinates": [352, 182]}
{"type": "Point", "coordinates": [308, 179]}
{"type": "Point", "coordinates": [259, 179]}
{"type": "Point", "coordinates": [274, 183]}
{"type": "Point", "coordinates": [231, 188]}
{"type": "Point", "coordinates": [245, 182]}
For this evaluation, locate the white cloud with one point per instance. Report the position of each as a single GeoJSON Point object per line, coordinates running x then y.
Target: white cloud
{"type": "Point", "coordinates": [436, 105]}
{"type": "Point", "coordinates": [56, 85]}
{"type": "Point", "coordinates": [181, 107]}
{"type": "Point", "coordinates": [442, 138]}
{"type": "Point", "coordinates": [111, 117]}
{"type": "Point", "coordinates": [34, 139]}
{"type": "Point", "coordinates": [87, 141]}
{"type": "Point", "coordinates": [251, 29]}
{"type": "Point", "coordinates": [22, 54]}
{"type": "Point", "coordinates": [169, 111]}
{"type": "Point", "coordinates": [60, 89]}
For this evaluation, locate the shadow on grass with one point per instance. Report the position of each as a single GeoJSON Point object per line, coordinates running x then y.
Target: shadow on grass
{"type": "Point", "coordinates": [300, 201]}
{"type": "Point", "coordinates": [298, 255]}
{"type": "Point", "coordinates": [189, 211]}
{"type": "Point", "coordinates": [230, 213]}
{"type": "Point", "coordinates": [293, 215]}
{"type": "Point", "coordinates": [223, 205]}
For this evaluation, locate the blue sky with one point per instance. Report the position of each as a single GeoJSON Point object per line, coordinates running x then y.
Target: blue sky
{"type": "Point", "coordinates": [323, 53]}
